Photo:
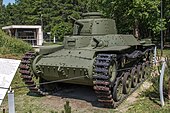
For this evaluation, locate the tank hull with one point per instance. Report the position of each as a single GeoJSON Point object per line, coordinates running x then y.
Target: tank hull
{"type": "Point", "coordinates": [67, 63]}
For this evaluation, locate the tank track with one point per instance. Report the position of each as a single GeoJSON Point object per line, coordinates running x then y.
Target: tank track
{"type": "Point", "coordinates": [112, 93]}
{"type": "Point", "coordinates": [27, 75]}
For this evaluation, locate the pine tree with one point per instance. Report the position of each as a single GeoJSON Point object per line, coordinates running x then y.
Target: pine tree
{"type": "Point", "coordinates": [1, 2]}
{"type": "Point", "coordinates": [52, 14]}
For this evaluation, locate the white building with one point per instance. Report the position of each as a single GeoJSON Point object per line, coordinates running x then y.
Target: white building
{"type": "Point", "coordinates": [30, 33]}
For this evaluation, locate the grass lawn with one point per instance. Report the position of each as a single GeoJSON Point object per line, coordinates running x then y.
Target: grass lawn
{"type": "Point", "coordinates": [149, 101]}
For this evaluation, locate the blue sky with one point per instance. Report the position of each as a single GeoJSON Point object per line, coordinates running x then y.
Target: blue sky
{"type": "Point", "coordinates": [8, 1]}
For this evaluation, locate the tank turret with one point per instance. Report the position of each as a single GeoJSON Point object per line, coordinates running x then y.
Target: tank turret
{"type": "Point", "coordinates": [93, 24]}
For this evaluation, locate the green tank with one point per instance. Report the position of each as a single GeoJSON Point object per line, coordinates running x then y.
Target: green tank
{"type": "Point", "coordinates": [95, 55]}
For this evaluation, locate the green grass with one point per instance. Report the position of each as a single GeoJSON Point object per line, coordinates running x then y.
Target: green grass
{"type": "Point", "coordinates": [166, 52]}
{"type": "Point", "coordinates": [11, 45]}
{"type": "Point", "coordinates": [146, 105]}
{"type": "Point", "coordinates": [149, 101]}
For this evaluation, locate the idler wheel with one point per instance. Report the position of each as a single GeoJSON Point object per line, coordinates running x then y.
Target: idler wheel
{"type": "Point", "coordinates": [118, 90]}
{"type": "Point", "coordinates": [127, 83]}
{"type": "Point", "coordinates": [134, 77]}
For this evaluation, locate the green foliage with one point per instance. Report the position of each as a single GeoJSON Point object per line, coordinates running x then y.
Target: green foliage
{"type": "Point", "coordinates": [67, 108]}
{"type": "Point", "coordinates": [54, 112]}
{"type": "Point", "coordinates": [140, 15]}
{"type": "Point", "coordinates": [61, 29]}
{"type": "Point", "coordinates": [9, 45]}
{"type": "Point", "coordinates": [30, 111]}
{"type": "Point", "coordinates": [51, 14]}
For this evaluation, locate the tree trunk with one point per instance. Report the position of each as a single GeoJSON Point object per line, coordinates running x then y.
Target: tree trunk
{"type": "Point", "coordinates": [1, 1]}
{"type": "Point", "coordinates": [136, 29]}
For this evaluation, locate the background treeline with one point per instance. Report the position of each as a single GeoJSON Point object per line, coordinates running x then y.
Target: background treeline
{"type": "Point", "coordinates": [140, 17]}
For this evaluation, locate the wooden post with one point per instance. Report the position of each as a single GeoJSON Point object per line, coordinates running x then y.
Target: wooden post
{"type": "Point", "coordinates": [168, 67]}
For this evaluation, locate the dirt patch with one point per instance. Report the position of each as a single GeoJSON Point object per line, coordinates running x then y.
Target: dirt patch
{"type": "Point", "coordinates": [82, 100]}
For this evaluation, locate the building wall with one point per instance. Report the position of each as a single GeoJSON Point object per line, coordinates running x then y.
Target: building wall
{"type": "Point", "coordinates": [30, 34]}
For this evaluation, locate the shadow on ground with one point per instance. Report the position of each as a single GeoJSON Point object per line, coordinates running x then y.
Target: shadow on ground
{"type": "Point", "coordinates": [73, 91]}
{"type": "Point", "coordinates": [80, 92]}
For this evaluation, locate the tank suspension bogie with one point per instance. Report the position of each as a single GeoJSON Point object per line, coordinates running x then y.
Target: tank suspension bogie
{"type": "Point", "coordinates": [134, 76]}
{"type": "Point", "coordinates": [140, 72]}
{"type": "Point", "coordinates": [111, 92]}
{"type": "Point", "coordinates": [127, 82]}
{"type": "Point", "coordinates": [144, 68]}
{"type": "Point", "coordinates": [118, 90]}
{"type": "Point", "coordinates": [148, 69]}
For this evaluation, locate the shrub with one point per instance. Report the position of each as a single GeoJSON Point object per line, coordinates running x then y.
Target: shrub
{"type": "Point", "coordinates": [11, 45]}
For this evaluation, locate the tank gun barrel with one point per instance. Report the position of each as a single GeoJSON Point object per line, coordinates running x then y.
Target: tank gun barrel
{"type": "Point", "coordinates": [75, 21]}
{"type": "Point", "coordinates": [80, 25]}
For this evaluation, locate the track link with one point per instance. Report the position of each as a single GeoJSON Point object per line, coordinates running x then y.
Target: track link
{"type": "Point", "coordinates": [101, 79]}
{"type": "Point", "coordinates": [26, 73]}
